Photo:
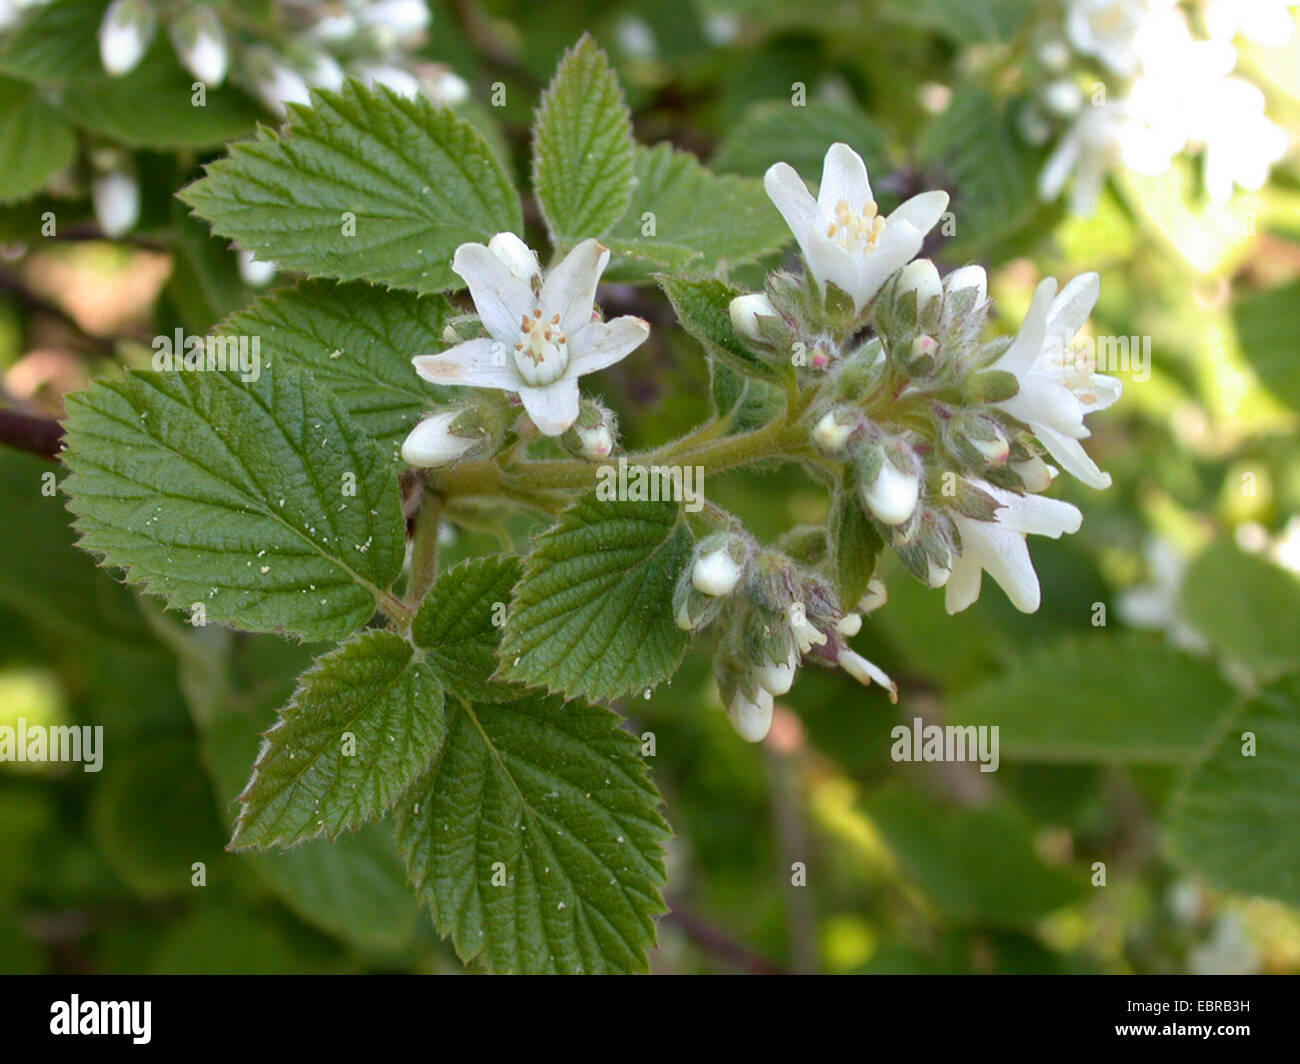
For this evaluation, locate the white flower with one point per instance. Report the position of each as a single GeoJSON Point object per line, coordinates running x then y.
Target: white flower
{"type": "Point", "coordinates": [1157, 603]}
{"type": "Point", "coordinates": [1241, 144]}
{"type": "Point", "coordinates": [752, 718]}
{"type": "Point", "coordinates": [116, 197]}
{"type": "Point", "coordinates": [1108, 30]}
{"type": "Point", "coordinates": [1267, 22]}
{"type": "Point", "coordinates": [273, 81]}
{"type": "Point", "coordinates": [865, 672]}
{"type": "Point", "coordinates": [402, 82]}
{"type": "Point", "coordinates": [445, 87]}
{"type": "Point", "coordinates": [844, 239]}
{"type": "Point", "coordinates": [746, 310]}
{"type": "Point", "coordinates": [893, 495]}
{"type": "Point", "coordinates": [716, 573]}
{"type": "Point", "coordinates": [431, 443]}
{"type": "Point", "coordinates": [540, 340]}
{"type": "Point", "coordinates": [1059, 384]}
{"type": "Point", "coordinates": [254, 272]}
{"type": "Point", "coordinates": [999, 547]}
{"type": "Point", "coordinates": [124, 35]}
{"type": "Point", "coordinates": [200, 42]}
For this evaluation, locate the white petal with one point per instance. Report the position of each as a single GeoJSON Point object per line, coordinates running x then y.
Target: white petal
{"type": "Point", "coordinates": [844, 177]}
{"type": "Point", "coordinates": [553, 408]}
{"type": "Point", "coordinates": [1058, 168]}
{"type": "Point", "coordinates": [786, 190]}
{"type": "Point", "coordinates": [1044, 400]}
{"type": "Point", "coordinates": [570, 289]}
{"type": "Point", "coordinates": [1005, 555]}
{"type": "Point", "coordinates": [1073, 458]}
{"type": "Point", "coordinates": [500, 297]}
{"type": "Point", "coordinates": [1028, 344]}
{"type": "Point", "coordinates": [1070, 309]}
{"type": "Point", "coordinates": [1106, 389]}
{"type": "Point", "coordinates": [602, 343]}
{"type": "Point", "coordinates": [1036, 514]}
{"type": "Point", "coordinates": [963, 586]}
{"type": "Point", "coordinates": [919, 214]}
{"type": "Point", "coordinates": [480, 363]}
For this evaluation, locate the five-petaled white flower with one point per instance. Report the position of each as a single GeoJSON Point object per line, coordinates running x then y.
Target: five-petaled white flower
{"type": "Point", "coordinates": [1059, 383]}
{"type": "Point", "coordinates": [843, 237]}
{"type": "Point", "coordinates": [542, 333]}
{"type": "Point", "coordinates": [999, 547]}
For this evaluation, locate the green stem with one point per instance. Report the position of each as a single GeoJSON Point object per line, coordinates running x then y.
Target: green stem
{"type": "Point", "coordinates": [424, 550]}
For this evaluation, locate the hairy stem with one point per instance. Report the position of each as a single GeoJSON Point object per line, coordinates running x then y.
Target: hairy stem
{"type": "Point", "coordinates": [424, 550]}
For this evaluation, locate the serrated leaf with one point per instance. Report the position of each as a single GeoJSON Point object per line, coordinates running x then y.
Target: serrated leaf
{"type": "Point", "coordinates": [719, 217]}
{"type": "Point", "coordinates": [459, 626]}
{"type": "Point", "coordinates": [208, 490]}
{"type": "Point", "coordinates": [536, 839]}
{"type": "Point", "coordinates": [357, 343]}
{"type": "Point", "coordinates": [855, 545]}
{"type": "Point", "coordinates": [592, 615]}
{"type": "Point", "coordinates": [748, 403]}
{"type": "Point", "coordinates": [702, 308]}
{"type": "Point", "coordinates": [1246, 606]}
{"type": "Point", "coordinates": [34, 142]}
{"type": "Point", "coordinates": [419, 181]}
{"type": "Point", "coordinates": [365, 721]}
{"type": "Point", "coordinates": [583, 147]}
{"type": "Point", "coordinates": [776, 131]}
{"type": "Point", "coordinates": [1128, 698]}
{"type": "Point", "coordinates": [1235, 819]}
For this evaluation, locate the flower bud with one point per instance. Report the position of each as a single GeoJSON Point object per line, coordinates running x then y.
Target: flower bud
{"type": "Point", "coordinates": [937, 575]}
{"type": "Point", "coordinates": [200, 43]}
{"type": "Point", "coordinates": [1063, 98]}
{"type": "Point", "coordinates": [849, 625]}
{"type": "Point", "coordinates": [964, 279]}
{"type": "Point", "coordinates": [432, 442]}
{"type": "Point", "coordinates": [716, 571]}
{"type": "Point", "coordinates": [746, 310]}
{"type": "Point", "coordinates": [1054, 54]}
{"type": "Point", "coordinates": [402, 82]}
{"type": "Point", "coordinates": [751, 717]}
{"type": "Point", "coordinates": [777, 679]}
{"type": "Point", "coordinates": [395, 22]}
{"type": "Point", "coordinates": [921, 355]}
{"type": "Point", "coordinates": [519, 258]}
{"type": "Point", "coordinates": [891, 496]}
{"type": "Point", "coordinates": [444, 87]}
{"type": "Point", "coordinates": [865, 672]}
{"type": "Point", "coordinates": [920, 279]}
{"type": "Point", "coordinates": [830, 434]}
{"type": "Point", "coordinates": [273, 81]}
{"type": "Point", "coordinates": [124, 35]}
{"type": "Point", "coordinates": [875, 596]}
{"type": "Point", "coordinates": [1036, 473]}
{"type": "Point", "coordinates": [319, 69]}
{"type": "Point", "coordinates": [994, 449]}
{"type": "Point", "coordinates": [254, 272]}
{"type": "Point", "coordinates": [116, 197]}
{"type": "Point", "coordinates": [691, 609]}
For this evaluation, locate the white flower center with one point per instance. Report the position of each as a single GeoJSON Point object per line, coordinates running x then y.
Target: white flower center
{"type": "Point", "coordinates": [856, 232]}
{"type": "Point", "coordinates": [542, 354]}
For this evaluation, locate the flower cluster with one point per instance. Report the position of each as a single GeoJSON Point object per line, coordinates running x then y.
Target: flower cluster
{"type": "Point", "coordinates": [1165, 91]}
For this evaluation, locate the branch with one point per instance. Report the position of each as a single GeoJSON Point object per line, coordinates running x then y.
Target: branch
{"type": "Point", "coordinates": [35, 435]}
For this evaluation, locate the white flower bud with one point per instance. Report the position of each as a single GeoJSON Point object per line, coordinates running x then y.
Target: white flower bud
{"type": "Point", "coordinates": [965, 277]}
{"type": "Point", "coordinates": [893, 495]}
{"type": "Point", "coordinates": [865, 672]}
{"type": "Point", "coordinates": [745, 312]}
{"type": "Point", "coordinates": [335, 28]}
{"type": "Point", "coordinates": [876, 596]}
{"type": "Point", "coordinates": [200, 42]}
{"type": "Point", "coordinates": [255, 272]}
{"type": "Point", "coordinates": [830, 434]}
{"type": "Point", "coordinates": [596, 442]}
{"type": "Point", "coordinates": [124, 35]}
{"type": "Point", "coordinates": [684, 620]}
{"type": "Point", "coordinates": [116, 197]}
{"type": "Point", "coordinates": [432, 444]}
{"type": "Point", "coordinates": [1063, 98]}
{"type": "Point", "coordinates": [274, 82]}
{"type": "Point", "coordinates": [849, 625]}
{"type": "Point", "coordinates": [776, 679]}
{"type": "Point", "coordinates": [1054, 54]}
{"type": "Point", "coordinates": [446, 88]}
{"type": "Point", "coordinates": [1036, 473]}
{"type": "Point", "coordinates": [937, 575]}
{"type": "Point", "coordinates": [320, 69]}
{"type": "Point", "coordinates": [716, 573]}
{"type": "Point", "coordinates": [401, 20]}
{"type": "Point", "coordinates": [402, 82]}
{"type": "Point", "coordinates": [995, 451]}
{"type": "Point", "coordinates": [921, 277]}
{"type": "Point", "coordinates": [751, 719]}
{"type": "Point", "coordinates": [519, 258]}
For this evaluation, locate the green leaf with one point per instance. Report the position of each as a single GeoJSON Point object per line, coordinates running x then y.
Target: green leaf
{"type": "Point", "coordinates": [54, 41]}
{"type": "Point", "coordinates": [1235, 819]}
{"type": "Point", "coordinates": [459, 626]}
{"type": "Point", "coordinates": [702, 308]}
{"type": "Point", "coordinates": [237, 496]}
{"type": "Point", "coordinates": [775, 131]}
{"type": "Point", "coordinates": [855, 545]}
{"type": "Point", "coordinates": [1127, 698]}
{"type": "Point", "coordinates": [34, 142]}
{"type": "Point", "coordinates": [965, 21]}
{"type": "Point", "coordinates": [1268, 331]}
{"type": "Point", "coordinates": [583, 147]}
{"type": "Point", "coordinates": [748, 402]}
{"type": "Point", "coordinates": [719, 218]}
{"type": "Point", "coordinates": [1246, 606]}
{"type": "Point", "coordinates": [364, 722]}
{"type": "Point", "coordinates": [418, 180]}
{"type": "Point", "coordinates": [976, 865]}
{"type": "Point", "coordinates": [536, 840]}
{"type": "Point", "coordinates": [592, 615]}
{"type": "Point", "coordinates": [357, 343]}
{"type": "Point", "coordinates": [152, 107]}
